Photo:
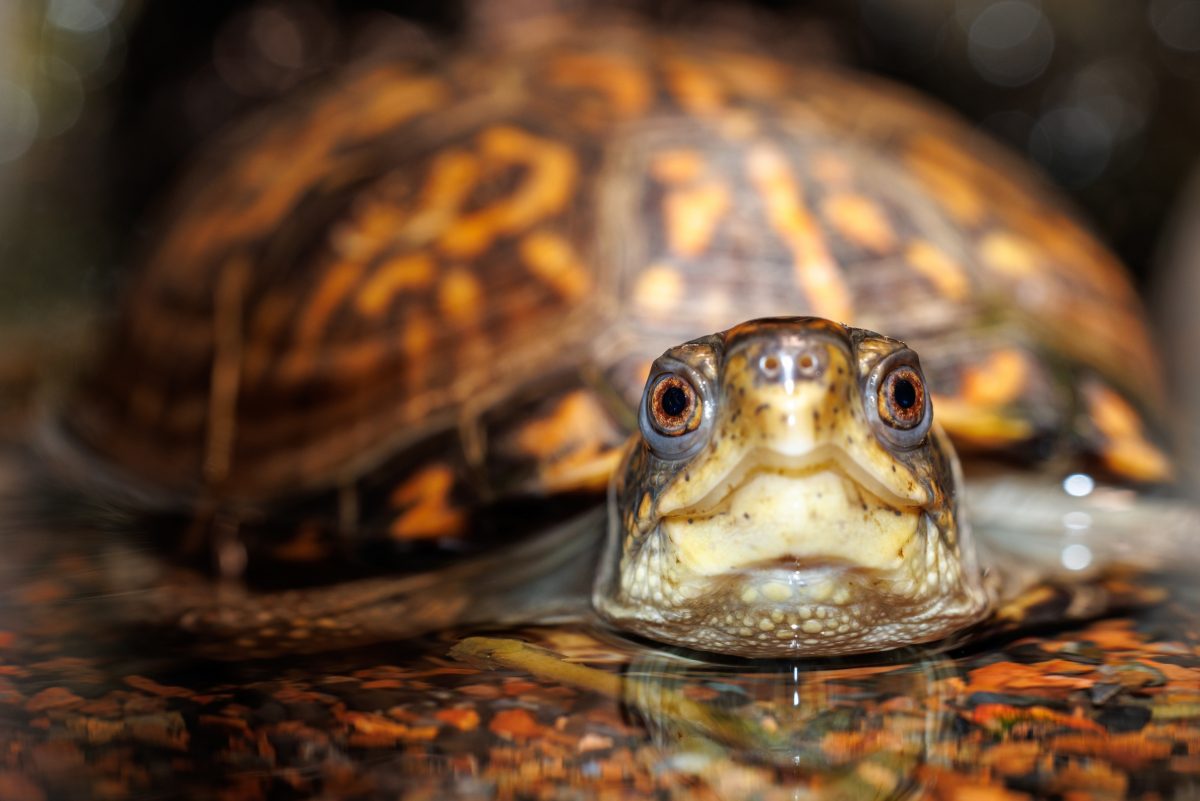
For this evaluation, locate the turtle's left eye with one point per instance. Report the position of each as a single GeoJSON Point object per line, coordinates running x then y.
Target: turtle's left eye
{"type": "Point", "coordinates": [897, 401]}
{"type": "Point", "coordinates": [902, 398]}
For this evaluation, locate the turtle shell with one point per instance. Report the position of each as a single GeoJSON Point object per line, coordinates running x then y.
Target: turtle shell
{"type": "Point", "coordinates": [424, 289]}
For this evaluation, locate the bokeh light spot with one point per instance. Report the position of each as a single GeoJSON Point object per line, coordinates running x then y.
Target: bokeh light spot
{"type": "Point", "coordinates": [82, 16]}
{"type": "Point", "coordinates": [1079, 485]}
{"type": "Point", "coordinates": [1177, 23]}
{"type": "Point", "coordinates": [1010, 43]}
{"type": "Point", "coordinates": [1076, 556]}
{"type": "Point", "coordinates": [19, 120]}
{"type": "Point", "coordinates": [1073, 143]}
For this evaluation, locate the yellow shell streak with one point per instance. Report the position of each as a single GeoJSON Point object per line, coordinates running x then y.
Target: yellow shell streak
{"type": "Point", "coordinates": [794, 521]}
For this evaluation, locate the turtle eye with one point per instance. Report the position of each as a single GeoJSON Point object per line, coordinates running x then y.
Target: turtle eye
{"type": "Point", "coordinates": [673, 406]}
{"type": "Point", "coordinates": [902, 398]}
{"type": "Point", "coordinates": [897, 401]}
{"type": "Point", "coordinates": [674, 413]}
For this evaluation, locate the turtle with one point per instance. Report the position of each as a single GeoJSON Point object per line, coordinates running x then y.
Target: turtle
{"type": "Point", "coordinates": [386, 352]}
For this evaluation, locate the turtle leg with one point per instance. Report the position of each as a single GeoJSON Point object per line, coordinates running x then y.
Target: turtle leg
{"type": "Point", "coordinates": [492, 653]}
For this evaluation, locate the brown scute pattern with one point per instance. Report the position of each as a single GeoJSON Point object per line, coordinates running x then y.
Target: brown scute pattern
{"type": "Point", "coordinates": [419, 237]}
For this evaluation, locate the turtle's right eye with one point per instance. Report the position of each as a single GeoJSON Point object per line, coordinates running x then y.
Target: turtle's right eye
{"type": "Point", "coordinates": [673, 412]}
{"type": "Point", "coordinates": [674, 406]}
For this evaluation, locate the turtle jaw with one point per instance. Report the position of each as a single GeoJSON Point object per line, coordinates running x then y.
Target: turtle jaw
{"type": "Point", "coordinates": [819, 507]}
{"type": "Point", "coordinates": [803, 607]}
{"type": "Point", "coordinates": [795, 557]}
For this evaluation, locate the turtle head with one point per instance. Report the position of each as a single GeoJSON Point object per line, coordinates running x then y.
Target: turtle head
{"type": "Point", "coordinates": [788, 495]}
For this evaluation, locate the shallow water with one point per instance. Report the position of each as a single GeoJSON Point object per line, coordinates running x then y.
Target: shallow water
{"type": "Point", "coordinates": [95, 707]}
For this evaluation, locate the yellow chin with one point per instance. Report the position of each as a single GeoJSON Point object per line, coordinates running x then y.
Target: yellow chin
{"type": "Point", "coordinates": [778, 519]}
{"type": "Point", "coordinates": [796, 560]}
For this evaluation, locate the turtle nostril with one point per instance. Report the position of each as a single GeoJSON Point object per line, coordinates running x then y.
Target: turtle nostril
{"type": "Point", "coordinates": [808, 365]}
{"type": "Point", "coordinates": [792, 362]}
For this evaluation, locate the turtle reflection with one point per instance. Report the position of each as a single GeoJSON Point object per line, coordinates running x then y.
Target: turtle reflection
{"type": "Point", "coordinates": [830, 730]}
{"type": "Point", "coordinates": [856, 731]}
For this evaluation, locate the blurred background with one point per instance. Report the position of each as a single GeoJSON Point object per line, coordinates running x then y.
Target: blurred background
{"type": "Point", "coordinates": [103, 101]}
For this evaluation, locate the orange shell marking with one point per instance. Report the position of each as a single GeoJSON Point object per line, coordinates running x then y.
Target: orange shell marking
{"type": "Point", "coordinates": [451, 178]}
{"type": "Point", "coordinates": [625, 86]}
{"type": "Point", "coordinates": [374, 223]}
{"type": "Point", "coordinates": [1126, 450]}
{"type": "Point", "coordinates": [832, 170]}
{"type": "Point", "coordinates": [928, 158]}
{"type": "Point", "coordinates": [677, 166]}
{"type": "Point", "coordinates": [414, 271]}
{"type": "Point", "coordinates": [659, 289]}
{"type": "Point", "coordinates": [553, 259]}
{"type": "Point", "coordinates": [692, 216]}
{"type": "Point", "coordinates": [545, 191]}
{"type": "Point", "coordinates": [425, 497]}
{"type": "Point", "coordinates": [946, 274]}
{"type": "Point", "coordinates": [694, 88]}
{"type": "Point", "coordinates": [815, 270]}
{"type": "Point", "coordinates": [751, 75]}
{"type": "Point", "coordinates": [1009, 255]}
{"type": "Point", "coordinates": [976, 414]}
{"type": "Point", "coordinates": [339, 280]}
{"type": "Point", "coordinates": [460, 296]}
{"type": "Point", "coordinates": [862, 221]}
{"type": "Point", "coordinates": [691, 211]}
{"type": "Point", "coordinates": [571, 446]}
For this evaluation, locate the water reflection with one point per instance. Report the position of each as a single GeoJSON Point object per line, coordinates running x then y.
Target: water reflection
{"type": "Point", "coordinates": [1109, 708]}
{"type": "Point", "coordinates": [855, 732]}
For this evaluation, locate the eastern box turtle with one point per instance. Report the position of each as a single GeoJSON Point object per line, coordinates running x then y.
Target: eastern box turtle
{"type": "Point", "coordinates": [409, 315]}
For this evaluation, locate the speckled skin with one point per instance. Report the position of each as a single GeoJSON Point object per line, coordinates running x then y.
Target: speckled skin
{"type": "Point", "coordinates": [797, 522]}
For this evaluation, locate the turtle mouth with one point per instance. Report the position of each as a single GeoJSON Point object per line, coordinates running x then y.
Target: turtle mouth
{"type": "Point", "coordinates": [821, 459]}
{"type": "Point", "coordinates": [804, 518]}
{"type": "Point", "coordinates": [793, 554]}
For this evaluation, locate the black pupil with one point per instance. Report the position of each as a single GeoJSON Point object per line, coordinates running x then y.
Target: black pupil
{"type": "Point", "coordinates": [674, 401]}
{"type": "Point", "coordinates": [904, 393]}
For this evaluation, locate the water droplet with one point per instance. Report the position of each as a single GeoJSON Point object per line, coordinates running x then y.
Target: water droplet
{"type": "Point", "coordinates": [1079, 485]}
{"type": "Point", "coordinates": [1076, 556]}
{"type": "Point", "coordinates": [1077, 521]}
